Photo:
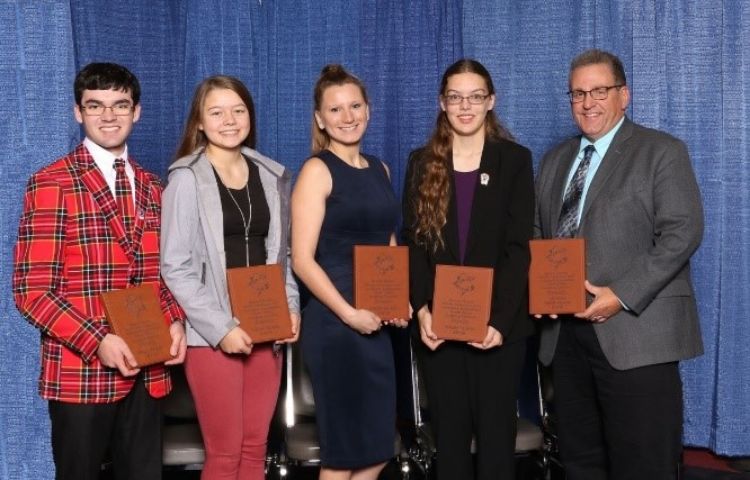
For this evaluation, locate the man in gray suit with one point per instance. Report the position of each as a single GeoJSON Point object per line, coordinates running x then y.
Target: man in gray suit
{"type": "Point", "coordinates": [630, 192]}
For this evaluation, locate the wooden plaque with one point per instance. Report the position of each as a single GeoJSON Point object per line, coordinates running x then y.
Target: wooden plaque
{"type": "Point", "coordinates": [135, 315]}
{"type": "Point", "coordinates": [461, 302]}
{"type": "Point", "coordinates": [557, 275]}
{"type": "Point", "coordinates": [258, 298]}
{"type": "Point", "coordinates": [381, 280]}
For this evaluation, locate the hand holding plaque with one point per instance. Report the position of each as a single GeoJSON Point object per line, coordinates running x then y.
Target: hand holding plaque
{"type": "Point", "coordinates": [381, 280]}
{"type": "Point", "coordinates": [557, 275]}
{"type": "Point", "coordinates": [258, 298]}
{"type": "Point", "coordinates": [461, 302]}
{"type": "Point", "coordinates": [135, 315]}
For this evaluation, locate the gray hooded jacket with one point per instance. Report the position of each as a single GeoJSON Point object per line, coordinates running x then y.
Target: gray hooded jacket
{"type": "Point", "coordinates": [193, 261]}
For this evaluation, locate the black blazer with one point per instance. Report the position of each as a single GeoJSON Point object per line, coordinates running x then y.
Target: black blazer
{"type": "Point", "coordinates": [501, 225]}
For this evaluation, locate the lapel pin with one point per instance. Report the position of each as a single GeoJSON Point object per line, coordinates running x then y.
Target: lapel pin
{"type": "Point", "coordinates": [484, 179]}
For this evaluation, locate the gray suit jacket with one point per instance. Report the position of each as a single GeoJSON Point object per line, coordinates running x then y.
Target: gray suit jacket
{"type": "Point", "coordinates": [642, 221]}
{"type": "Point", "coordinates": [193, 262]}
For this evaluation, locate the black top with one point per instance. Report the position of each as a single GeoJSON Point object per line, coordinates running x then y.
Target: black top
{"type": "Point", "coordinates": [234, 230]}
{"type": "Point", "coordinates": [500, 227]}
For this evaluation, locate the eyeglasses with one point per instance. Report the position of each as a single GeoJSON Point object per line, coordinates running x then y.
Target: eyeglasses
{"type": "Point", "coordinates": [456, 99]}
{"type": "Point", "coordinates": [598, 93]}
{"type": "Point", "coordinates": [97, 109]}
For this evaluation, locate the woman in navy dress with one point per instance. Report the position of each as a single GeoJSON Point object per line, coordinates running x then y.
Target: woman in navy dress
{"type": "Point", "coordinates": [344, 198]}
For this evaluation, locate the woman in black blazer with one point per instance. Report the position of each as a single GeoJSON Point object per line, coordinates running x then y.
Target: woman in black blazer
{"type": "Point", "coordinates": [469, 200]}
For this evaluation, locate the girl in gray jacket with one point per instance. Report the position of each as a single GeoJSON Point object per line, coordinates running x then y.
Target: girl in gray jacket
{"type": "Point", "coordinates": [226, 206]}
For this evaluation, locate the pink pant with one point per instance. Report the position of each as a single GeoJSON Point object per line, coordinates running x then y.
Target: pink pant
{"type": "Point", "coordinates": [235, 397]}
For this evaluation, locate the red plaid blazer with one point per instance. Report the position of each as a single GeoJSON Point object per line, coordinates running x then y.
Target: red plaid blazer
{"type": "Point", "coordinates": [72, 246]}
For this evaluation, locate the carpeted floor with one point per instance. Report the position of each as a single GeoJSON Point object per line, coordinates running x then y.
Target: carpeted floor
{"type": "Point", "coordinates": [526, 471]}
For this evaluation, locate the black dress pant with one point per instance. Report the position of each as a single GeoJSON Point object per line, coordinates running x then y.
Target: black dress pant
{"type": "Point", "coordinates": [472, 392]}
{"type": "Point", "coordinates": [130, 430]}
{"type": "Point", "coordinates": [614, 424]}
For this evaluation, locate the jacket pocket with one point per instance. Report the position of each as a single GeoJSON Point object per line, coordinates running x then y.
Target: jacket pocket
{"type": "Point", "coordinates": [676, 288]}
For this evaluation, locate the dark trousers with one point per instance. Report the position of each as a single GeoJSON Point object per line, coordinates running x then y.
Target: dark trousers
{"type": "Point", "coordinates": [614, 424]}
{"type": "Point", "coordinates": [130, 430]}
{"type": "Point", "coordinates": [473, 393]}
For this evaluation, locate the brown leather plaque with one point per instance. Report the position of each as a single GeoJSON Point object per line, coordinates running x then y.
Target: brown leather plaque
{"type": "Point", "coordinates": [258, 298]}
{"type": "Point", "coordinates": [135, 315]}
{"type": "Point", "coordinates": [461, 302]}
{"type": "Point", "coordinates": [381, 280]}
{"type": "Point", "coordinates": [557, 275]}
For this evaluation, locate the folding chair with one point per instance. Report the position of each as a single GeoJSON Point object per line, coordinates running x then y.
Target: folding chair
{"type": "Point", "coordinates": [550, 453]}
{"type": "Point", "coordinates": [531, 439]}
{"type": "Point", "coordinates": [182, 445]}
{"type": "Point", "coordinates": [301, 447]}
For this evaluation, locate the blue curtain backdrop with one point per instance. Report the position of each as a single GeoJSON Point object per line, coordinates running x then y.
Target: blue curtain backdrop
{"type": "Point", "coordinates": [36, 71]}
{"type": "Point", "coordinates": [687, 64]}
{"type": "Point", "coordinates": [687, 67]}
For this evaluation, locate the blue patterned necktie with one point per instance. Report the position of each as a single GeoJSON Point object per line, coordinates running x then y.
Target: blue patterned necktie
{"type": "Point", "coordinates": [567, 227]}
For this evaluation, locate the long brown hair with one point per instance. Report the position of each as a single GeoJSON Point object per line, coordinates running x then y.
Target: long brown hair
{"type": "Point", "coordinates": [332, 75]}
{"type": "Point", "coordinates": [433, 191]}
{"type": "Point", "coordinates": [193, 137]}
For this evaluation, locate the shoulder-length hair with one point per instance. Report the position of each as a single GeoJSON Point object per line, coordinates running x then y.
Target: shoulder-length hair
{"type": "Point", "coordinates": [193, 137]}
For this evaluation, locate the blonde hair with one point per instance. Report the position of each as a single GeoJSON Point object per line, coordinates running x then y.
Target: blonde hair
{"type": "Point", "coordinates": [332, 75]}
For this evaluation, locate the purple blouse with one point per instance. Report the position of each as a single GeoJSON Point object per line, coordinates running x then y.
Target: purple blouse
{"type": "Point", "coordinates": [465, 183]}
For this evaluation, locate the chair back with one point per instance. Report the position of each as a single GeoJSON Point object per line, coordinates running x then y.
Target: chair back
{"type": "Point", "coordinates": [298, 399]}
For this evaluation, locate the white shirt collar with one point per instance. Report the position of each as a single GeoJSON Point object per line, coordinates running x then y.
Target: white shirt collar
{"type": "Point", "coordinates": [103, 158]}
{"type": "Point", "coordinates": [105, 161]}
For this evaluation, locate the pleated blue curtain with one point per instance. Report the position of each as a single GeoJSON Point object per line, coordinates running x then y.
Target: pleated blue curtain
{"type": "Point", "coordinates": [405, 48]}
{"type": "Point", "coordinates": [687, 67]}
{"type": "Point", "coordinates": [221, 38]}
{"type": "Point", "coordinates": [36, 72]}
{"type": "Point", "coordinates": [278, 49]}
{"type": "Point", "coordinates": [148, 37]}
{"type": "Point", "coordinates": [718, 384]}
{"type": "Point", "coordinates": [678, 79]}
{"type": "Point", "coordinates": [527, 46]}
{"type": "Point", "coordinates": [687, 70]}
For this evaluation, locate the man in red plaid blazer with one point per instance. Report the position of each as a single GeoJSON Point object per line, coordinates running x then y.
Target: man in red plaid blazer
{"type": "Point", "coordinates": [91, 226]}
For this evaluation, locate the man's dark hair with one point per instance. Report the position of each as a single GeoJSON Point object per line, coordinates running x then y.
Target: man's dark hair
{"type": "Point", "coordinates": [106, 76]}
{"type": "Point", "coordinates": [594, 57]}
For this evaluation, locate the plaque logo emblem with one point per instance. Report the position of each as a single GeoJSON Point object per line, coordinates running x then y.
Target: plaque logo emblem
{"type": "Point", "coordinates": [464, 283]}
{"type": "Point", "coordinates": [258, 282]}
{"type": "Point", "coordinates": [557, 256]}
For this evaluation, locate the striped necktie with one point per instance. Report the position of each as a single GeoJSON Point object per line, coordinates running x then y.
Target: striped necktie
{"type": "Point", "coordinates": [567, 227]}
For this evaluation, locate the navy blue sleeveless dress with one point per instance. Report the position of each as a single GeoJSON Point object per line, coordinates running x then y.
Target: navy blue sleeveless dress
{"type": "Point", "coordinates": [352, 375]}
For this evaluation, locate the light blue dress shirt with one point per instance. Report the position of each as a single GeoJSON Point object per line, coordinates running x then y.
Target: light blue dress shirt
{"type": "Point", "coordinates": [601, 146]}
